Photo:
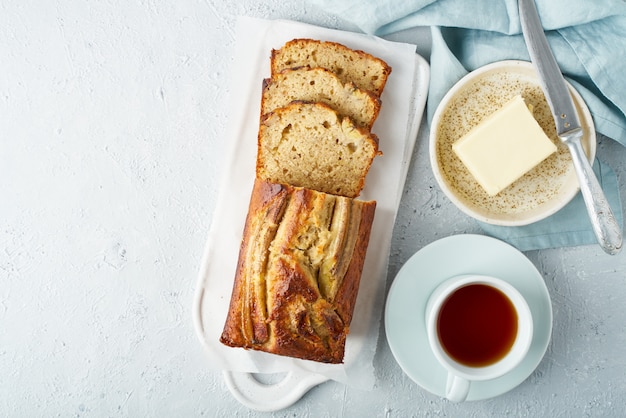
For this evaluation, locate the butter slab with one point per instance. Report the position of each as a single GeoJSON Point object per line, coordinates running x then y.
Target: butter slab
{"type": "Point", "coordinates": [504, 146]}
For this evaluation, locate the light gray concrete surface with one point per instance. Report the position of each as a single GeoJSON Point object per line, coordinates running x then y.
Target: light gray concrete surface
{"type": "Point", "coordinates": [112, 119]}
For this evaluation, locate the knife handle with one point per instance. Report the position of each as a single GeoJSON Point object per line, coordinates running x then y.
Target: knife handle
{"type": "Point", "coordinates": [605, 226]}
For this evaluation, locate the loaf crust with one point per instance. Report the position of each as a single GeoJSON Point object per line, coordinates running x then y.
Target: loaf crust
{"type": "Point", "coordinates": [298, 273]}
{"type": "Point", "coordinates": [320, 85]}
{"type": "Point", "coordinates": [366, 71]}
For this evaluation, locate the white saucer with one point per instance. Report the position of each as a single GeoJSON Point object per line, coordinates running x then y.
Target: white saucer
{"type": "Point", "coordinates": [442, 259]}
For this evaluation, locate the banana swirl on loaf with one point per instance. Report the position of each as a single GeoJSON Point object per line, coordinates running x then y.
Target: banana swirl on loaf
{"type": "Point", "coordinates": [298, 274]}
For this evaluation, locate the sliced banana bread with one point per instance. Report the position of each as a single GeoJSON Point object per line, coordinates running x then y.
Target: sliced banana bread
{"type": "Point", "coordinates": [310, 145]}
{"type": "Point", "coordinates": [320, 85]}
{"type": "Point", "coordinates": [364, 70]}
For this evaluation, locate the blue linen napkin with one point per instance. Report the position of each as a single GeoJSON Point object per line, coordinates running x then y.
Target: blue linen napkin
{"type": "Point", "coordinates": [568, 227]}
{"type": "Point", "coordinates": [588, 40]}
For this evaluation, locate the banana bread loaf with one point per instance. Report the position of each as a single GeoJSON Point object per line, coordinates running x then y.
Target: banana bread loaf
{"type": "Point", "coordinates": [364, 70]}
{"type": "Point", "coordinates": [320, 85]}
{"type": "Point", "coordinates": [310, 145]}
{"type": "Point", "coordinates": [298, 273]}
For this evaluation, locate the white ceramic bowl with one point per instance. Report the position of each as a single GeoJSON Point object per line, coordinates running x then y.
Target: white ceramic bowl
{"type": "Point", "coordinates": [539, 193]}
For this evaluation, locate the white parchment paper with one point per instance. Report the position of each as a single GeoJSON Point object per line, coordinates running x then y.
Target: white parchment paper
{"type": "Point", "coordinates": [402, 106]}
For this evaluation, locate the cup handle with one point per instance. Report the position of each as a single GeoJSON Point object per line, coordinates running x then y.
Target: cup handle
{"type": "Point", "coordinates": [457, 388]}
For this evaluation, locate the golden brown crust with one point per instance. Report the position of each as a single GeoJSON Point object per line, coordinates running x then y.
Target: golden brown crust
{"type": "Point", "coordinates": [251, 324]}
{"type": "Point", "coordinates": [298, 274]}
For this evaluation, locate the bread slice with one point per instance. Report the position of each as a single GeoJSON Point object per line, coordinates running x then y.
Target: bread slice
{"type": "Point", "coordinates": [364, 70]}
{"type": "Point", "coordinates": [298, 274]}
{"type": "Point", "coordinates": [320, 85]}
{"type": "Point", "coordinates": [310, 145]}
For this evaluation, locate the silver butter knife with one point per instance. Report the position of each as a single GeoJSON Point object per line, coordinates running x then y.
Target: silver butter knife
{"type": "Point", "coordinates": [568, 128]}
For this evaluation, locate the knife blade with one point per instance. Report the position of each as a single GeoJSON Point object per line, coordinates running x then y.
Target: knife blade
{"type": "Point", "coordinates": [568, 129]}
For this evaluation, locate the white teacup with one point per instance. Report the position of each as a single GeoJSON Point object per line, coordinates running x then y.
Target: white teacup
{"type": "Point", "coordinates": [479, 328]}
